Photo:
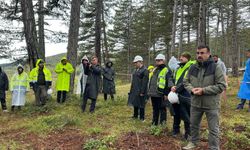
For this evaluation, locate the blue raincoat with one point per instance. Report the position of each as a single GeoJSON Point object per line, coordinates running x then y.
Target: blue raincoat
{"type": "Point", "coordinates": [244, 92]}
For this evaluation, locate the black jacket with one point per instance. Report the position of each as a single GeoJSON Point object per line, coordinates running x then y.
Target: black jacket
{"type": "Point", "coordinates": [138, 86]}
{"type": "Point", "coordinates": [4, 84]}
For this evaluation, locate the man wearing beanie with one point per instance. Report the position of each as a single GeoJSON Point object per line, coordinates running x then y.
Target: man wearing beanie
{"type": "Point", "coordinates": [182, 110]}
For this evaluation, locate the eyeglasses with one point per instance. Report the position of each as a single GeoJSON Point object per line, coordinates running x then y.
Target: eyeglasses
{"type": "Point", "coordinates": [200, 53]}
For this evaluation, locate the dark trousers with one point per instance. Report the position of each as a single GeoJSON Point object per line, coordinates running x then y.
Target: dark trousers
{"type": "Point", "coordinates": [61, 96]}
{"type": "Point", "coordinates": [92, 105]}
{"type": "Point", "coordinates": [13, 107]}
{"type": "Point", "coordinates": [106, 96]}
{"type": "Point", "coordinates": [242, 103]}
{"type": "Point", "coordinates": [158, 111]}
{"type": "Point", "coordinates": [3, 103]}
{"type": "Point", "coordinates": [138, 111]}
{"type": "Point", "coordinates": [40, 94]}
{"type": "Point", "coordinates": [181, 112]}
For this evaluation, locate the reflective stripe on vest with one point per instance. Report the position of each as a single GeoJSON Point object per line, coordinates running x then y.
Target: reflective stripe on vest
{"type": "Point", "coordinates": [162, 78]}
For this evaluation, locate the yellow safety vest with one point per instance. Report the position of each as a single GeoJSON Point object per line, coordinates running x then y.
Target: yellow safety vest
{"type": "Point", "coordinates": [161, 82]}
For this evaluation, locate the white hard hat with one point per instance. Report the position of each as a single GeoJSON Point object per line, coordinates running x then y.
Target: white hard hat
{"type": "Point", "coordinates": [160, 57]}
{"type": "Point", "coordinates": [50, 91]}
{"type": "Point", "coordinates": [137, 58]}
{"type": "Point", "coordinates": [173, 98]}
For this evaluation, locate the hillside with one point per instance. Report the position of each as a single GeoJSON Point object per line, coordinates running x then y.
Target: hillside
{"type": "Point", "coordinates": [53, 60]}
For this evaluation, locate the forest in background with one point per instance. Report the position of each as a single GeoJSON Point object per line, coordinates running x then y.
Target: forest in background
{"type": "Point", "coordinates": [114, 28]}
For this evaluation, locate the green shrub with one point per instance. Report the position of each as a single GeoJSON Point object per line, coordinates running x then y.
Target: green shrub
{"type": "Point", "coordinates": [156, 130]}
{"type": "Point", "coordinates": [99, 144]}
{"type": "Point", "coordinates": [237, 141]}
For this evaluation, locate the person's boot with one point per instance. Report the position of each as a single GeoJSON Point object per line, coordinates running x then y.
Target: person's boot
{"type": "Point", "coordinates": [241, 104]}
{"type": "Point", "coordinates": [190, 145]}
{"type": "Point", "coordinates": [176, 133]}
{"type": "Point", "coordinates": [12, 108]}
{"type": "Point", "coordinates": [186, 136]}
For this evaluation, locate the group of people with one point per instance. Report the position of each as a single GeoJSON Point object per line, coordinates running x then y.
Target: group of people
{"type": "Point", "coordinates": [198, 85]}
{"type": "Point", "coordinates": [40, 80]}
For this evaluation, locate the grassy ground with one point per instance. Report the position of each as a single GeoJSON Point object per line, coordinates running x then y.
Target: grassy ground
{"type": "Point", "coordinates": [64, 126]}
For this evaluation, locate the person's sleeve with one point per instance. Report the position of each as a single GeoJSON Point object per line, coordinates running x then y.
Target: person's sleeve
{"type": "Point", "coordinates": [86, 69]}
{"type": "Point", "coordinates": [7, 82]}
{"type": "Point", "coordinates": [180, 86]}
{"type": "Point", "coordinates": [224, 69]}
{"type": "Point", "coordinates": [248, 67]}
{"type": "Point", "coordinates": [97, 70]}
{"type": "Point", "coordinates": [186, 82]}
{"type": "Point", "coordinates": [69, 68]}
{"type": "Point", "coordinates": [59, 68]}
{"type": "Point", "coordinates": [31, 78]}
{"type": "Point", "coordinates": [144, 85]}
{"type": "Point", "coordinates": [106, 75]}
{"type": "Point", "coordinates": [49, 77]}
{"type": "Point", "coordinates": [219, 86]}
{"type": "Point", "coordinates": [27, 82]}
{"type": "Point", "coordinates": [169, 82]}
{"type": "Point", "coordinates": [11, 82]}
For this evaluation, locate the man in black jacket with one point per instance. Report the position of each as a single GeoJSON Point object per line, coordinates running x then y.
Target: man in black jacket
{"type": "Point", "coordinates": [4, 86]}
{"type": "Point", "coordinates": [93, 71]}
{"type": "Point", "coordinates": [138, 90]}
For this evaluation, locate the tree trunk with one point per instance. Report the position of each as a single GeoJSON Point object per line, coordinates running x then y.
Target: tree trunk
{"type": "Point", "coordinates": [229, 53]}
{"type": "Point", "coordinates": [41, 42]}
{"type": "Point", "coordinates": [207, 25]}
{"type": "Point", "coordinates": [181, 31]}
{"type": "Point", "coordinates": [150, 32]}
{"type": "Point", "coordinates": [30, 31]}
{"type": "Point", "coordinates": [217, 32]}
{"type": "Point", "coordinates": [129, 20]}
{"type": "Point", "coordinates": [188, 24]}
{"type": "Point", "coordinates": [174, 27]}
{"type": "Point", "coordinates": [202, 23]}
{"type": "Point", "coordinates": [235, 50]}
{"type": "Point", "coordinates": [73, 38]}
{"type": "Point", "coordinates": [98, 29]}
{"type": "Point", "coordinates": [106, 56]}
{"type": "Point", "coordinates": [224, 52]}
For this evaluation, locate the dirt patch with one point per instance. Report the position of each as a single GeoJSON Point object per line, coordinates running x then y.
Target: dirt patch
{"type": "Point", "coordinates": [65, 139]}
{"type": "Point", "coordinates": [143, 141]}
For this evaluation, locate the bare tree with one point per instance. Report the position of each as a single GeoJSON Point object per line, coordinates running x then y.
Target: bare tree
{"type": "Point", "coordinates": [202, 23]}
{"type": "Point", "coordinates": [217, 30]}
{"type": "Point", "coordinates": [73, 37]}
{"type": "Point", "coordinates": [174, 27]}
{"type": "Point", "coordinates": [235, 50]}
{"type": "Point", "coordinates": [181, 30]}
{"type": "Point", "coordinates": [30, 31]}
{"type": "Point", "coordinates": [106, 56]}
{"type": "Point", "coordinates": [41, 42]}
{"type": "Point", "coordinates": [98, 27]}
{"type": "Point", "coordinates": [224, 51]}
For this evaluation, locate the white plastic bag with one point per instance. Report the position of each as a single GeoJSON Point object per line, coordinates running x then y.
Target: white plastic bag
{"type": "Point", "coordinates": [173, 63]}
